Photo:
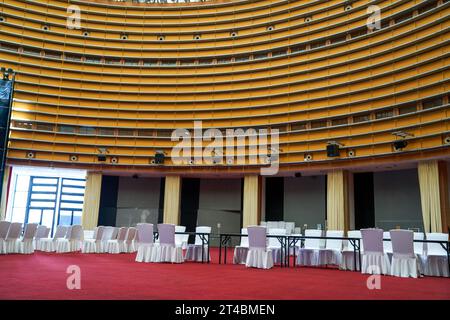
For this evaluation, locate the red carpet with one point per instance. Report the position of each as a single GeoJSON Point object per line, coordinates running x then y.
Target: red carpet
{"type": "Point", "coordinates": [106, 276]}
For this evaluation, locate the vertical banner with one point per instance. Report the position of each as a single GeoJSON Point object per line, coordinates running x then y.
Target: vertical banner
{"type": "Point", "coordinates": [6, 89]}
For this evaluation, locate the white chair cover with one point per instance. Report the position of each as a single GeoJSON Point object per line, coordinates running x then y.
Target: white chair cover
{"type": "Point", "coordinates": [435, 260]}
{"type": "Point", "coordinates": [49, 244]}
{"type": "Point", "coordinates": [259, 256]}
{"type": "Point", "coordinates": [275, 245]}
{"type": "Point", "coordinates": [12, 244]}
{"type": "Point", "coordinates": [27, 245]}
{"type": "Point", "coordinates": [41, 233]}
{"type": "Point", "coordinates": [404, 262]}
{"type": "Point", "coordinates": [181, 239]}
{"type": "Point", "coordinates": [331, 254]}
{"type": "Point", "coordinates": [309, 255]}
{"type": "Point", "coordinates": [116, 246]}
{"type": "Point", "coordinates": [72, 242]}
{"type": "Point", "coordinates": [108, 234]}
{"type": "Point", "coordinates": [145, 242]}
{"type": "Point", "coordinates": [241, 251]}
{"type": "Point", "coordinates": [290, 226]}
{"type": "Point", "coordinates": [94, 245]}
{"type": "Point", "coordinates": [348, 255]}
{"type": "Point", "coordinates": [4, 227]}
{"type": "Point", "coordinates": [194, 251]}
{"type": "Point", "coordinates": [374, 260]}
{"type": "Point", "coordinates": [387, 245]}
{"type": "Point", "coordinates": [129, 244]}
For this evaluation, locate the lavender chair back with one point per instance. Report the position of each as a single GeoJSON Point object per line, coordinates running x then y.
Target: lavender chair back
{"type": "Point", "coordinates": [257, 237]}
{"type": "Point", "coordinates": [122, 234]}
{"type": "Point", "coordinates": [99, 233]}
{"type": "Point", "coordinates": [41, 232]}
{"type": "Point", "coordinates": [4, 227]}
{"type": "Point", "coordinates": [61, 232]}
{"type": "Point", "coordinates": [402, 242]}
{"type": "Point", "coordinates": [14, 231]}
{"type": "Point", "coordinates": [76, 232]}
{"type": "Point", "coordinates": [47, 232]}
{"type": "Point", "coordinates": [131, 234]}
{"type": "Point", "coordinates": [108, 233]}
{"type": "Point", "coordinates": [145, 233]}
{"type": "Point", "coordinates": [30, 231]}
{"type": "Point", "coordinates": [166, 234]}
{"type": "Point", "coordinates": [372, 240]}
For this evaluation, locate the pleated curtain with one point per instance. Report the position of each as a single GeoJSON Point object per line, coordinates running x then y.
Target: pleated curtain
{"type": "Point", "coordinates": [91, 204]}
{"type": "Point", "coordinates": [429, 195]}
{"type": "Point", "coordinates": [4, 194]}
{"type": "Point", "coordinates": [336, 200]}
{"type": "Point", "coordinates": [251, 201]}
{"type": "Point", "coordinates": [172, 198]}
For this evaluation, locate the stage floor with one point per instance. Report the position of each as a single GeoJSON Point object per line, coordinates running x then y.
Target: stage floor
{"type": "Point", "coordinates": [107, 276]}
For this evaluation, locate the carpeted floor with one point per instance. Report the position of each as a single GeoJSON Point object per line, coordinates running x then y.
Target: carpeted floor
{"type": "Point", "coordinates": [106, 276]}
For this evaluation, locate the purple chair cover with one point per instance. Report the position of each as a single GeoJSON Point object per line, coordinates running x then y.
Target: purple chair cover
{"type": "Point", "coordinates": [166, 234]}
{"type": "Point", "coordinates": [257, 238]}
{"type": "Point", "coordinates": [402, 242]}
{"type": "Point", "coordinates": [373, 240]}
{"type": "Point", "coordinates": [145, 233]}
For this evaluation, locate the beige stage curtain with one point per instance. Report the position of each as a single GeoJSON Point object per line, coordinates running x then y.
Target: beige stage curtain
{"type": "Point", "coordinates": [172, 197]}
{"type": "Point", "coordinates": [4, 193]}
{"type": "Point", "coordinates": [429, 195]}
{"type": "Point", "coordinates": [251, 201]}
{"type": "Point", "coordinates": [91, 205]}
{"type": "Point", "coordinates": [336, 201]}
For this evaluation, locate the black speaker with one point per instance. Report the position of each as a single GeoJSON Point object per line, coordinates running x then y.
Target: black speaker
{"type": "Point", "coordinates": [159, 157]}
{"type": "Point", "coordinates": [400, 144]}
{"type": "Point", "coordinates": [332, 150]}
{"type": "Point", "coordinates": [101, 158]}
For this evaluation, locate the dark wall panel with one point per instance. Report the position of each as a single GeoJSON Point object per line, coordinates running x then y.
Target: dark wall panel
{"type": "Point", "coordinates": [364, 200]}
{"type": "Point", "coordinates": [275, 199]}
{"type": "Point", "coordinates": [190, 196]}
{"type": "Point", "coordinates": [108, 201]}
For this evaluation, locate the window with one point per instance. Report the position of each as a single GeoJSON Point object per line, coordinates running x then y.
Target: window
{"type": "Point", "coordinates": [339, 121]}
{"type": "Point", "coordinates": [87, 130]}
{"type": "Point", "coordinates": [431, 103]}
{"type": "Point", "coordinates": [50, 199]}
{"type": "Point", "coordinates": [146, 132]}
{"type": "Point", "coordinates": [298, 126]}
{"type": "Point", "coordinates": [361, 118]}
{"type": "Point", "coordinates": [318, 124]}
{"type": "Point", "coordinates": [23, 125]}
{"type": "Point", "coordinates": [384, 114]}
{"type": "Point", "coordinates": [260, 56]}
{"type": "Point", "coordinates": [106, 132]}
{"type": "Point", "coordinates": [317, 44]}
{"type": "Point", "coordinates": [298, 49]}
{"type": "Point", "coordinates": [66, 129]}
{"type": "Point", "coordinates": [164, 133]}
{"type": "Point", "coordinates": [125, 132]}
{"type": "Point", "coordinates": [45, 127]}
{"type": "Point", "coordinates": [279, 53]}
{"type": "Point", "coordinates": [407, 109]}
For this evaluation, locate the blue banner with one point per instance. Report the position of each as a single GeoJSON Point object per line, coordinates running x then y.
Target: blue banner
{"type": "Point", "coordinates": [5, 92]}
